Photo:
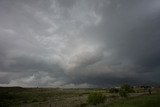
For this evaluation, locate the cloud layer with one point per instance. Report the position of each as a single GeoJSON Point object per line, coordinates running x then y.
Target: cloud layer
{"type": "Point", "coordinates": [79, 43]}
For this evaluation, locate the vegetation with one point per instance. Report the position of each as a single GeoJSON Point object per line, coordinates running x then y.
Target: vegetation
{"type": "Point", "coordinates": [18, 96]}
{"type": "Point", "coordinates": [142, 101]}
{"type": "Point", "coordinates": [123, 93]}
{"type": "Point", "coordinates": [125, 90]}
{"type": "Point", "coordinates": [113, 90]}
{"type": "Point", "coordinates": [91, 97]}
{"type": "Point", "coordinates": [95, 98]}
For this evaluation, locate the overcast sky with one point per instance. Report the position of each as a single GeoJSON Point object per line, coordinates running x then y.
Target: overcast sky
{"type": "Point", "coordinates": [79, 43]}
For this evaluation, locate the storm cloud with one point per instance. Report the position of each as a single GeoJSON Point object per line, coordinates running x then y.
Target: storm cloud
{"type": "Point", "coordinates": [79, 43]}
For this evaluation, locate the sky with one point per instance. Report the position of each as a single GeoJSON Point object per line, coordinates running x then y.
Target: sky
{"type": "Point", "coordinates": [79, 43]}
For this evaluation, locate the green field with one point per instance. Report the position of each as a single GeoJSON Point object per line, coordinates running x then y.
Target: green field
{"type": "Point", "coordinates": [43, 97]}
{"type": "Point", "coordinates": [142, 101]}
{"type": "Point", "coordinates": [56, 97]}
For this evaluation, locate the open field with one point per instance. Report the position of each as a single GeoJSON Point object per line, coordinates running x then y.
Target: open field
{"type": "Point", "coordinates": [56, 97]}
{"type": "Point", "coordinates": [142, 101]}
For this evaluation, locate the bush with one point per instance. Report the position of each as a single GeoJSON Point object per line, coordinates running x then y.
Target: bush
{"type": "Point", "coordinates": [96, 98]}
{"type": "Point", "coordinates": [113, 90]}
{"type": "Point", "coordinates": [127, 88]}
{"type": "Point", "coordinates": [123, 93]}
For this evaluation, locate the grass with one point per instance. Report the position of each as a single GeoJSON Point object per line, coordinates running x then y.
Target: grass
{"type": "Point", "coordinates": [44, 97]}
{"type": "Point", "coordinates": [142, 101]}
{"type": "Point", "coordinates": [95, 98]}
{"type": "Point", "coordinates": [17, 95]}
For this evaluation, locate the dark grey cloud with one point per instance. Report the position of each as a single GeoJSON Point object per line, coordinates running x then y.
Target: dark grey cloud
{"type": "Point", "coordinates": [66, 3]}
{"type": "Point", "coordinates": [72, 43]}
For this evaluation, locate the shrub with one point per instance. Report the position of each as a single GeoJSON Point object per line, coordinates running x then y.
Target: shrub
{"type": "Point", "coordinates": [127, 88]}
{"type": "Point", "coordinates": [124, 90]}
{"type": "Point", "coordinates": [96, 98]}
{"type": "Point", "coordinates": [113, 90]}
{"type": "Point", "coordinates": [123, 93]}
{"type": "Point", "coordinates": [35, 100]}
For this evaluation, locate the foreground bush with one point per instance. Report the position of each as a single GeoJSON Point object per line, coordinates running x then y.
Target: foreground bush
{"type": "Point", "coordinates": [96, 98]}
{"type": "Point", "coordinates": [125, 90]}
{"type": "Point", "coordinates": [113, 90]}
{"type": "Point", "coordinates": [123, 93]}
